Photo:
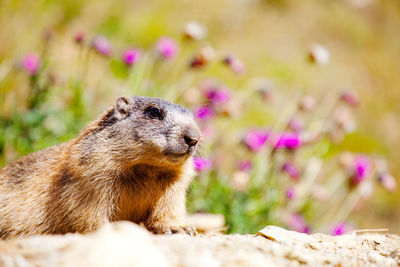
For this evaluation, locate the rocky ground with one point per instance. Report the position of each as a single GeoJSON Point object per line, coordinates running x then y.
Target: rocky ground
{"type": "Point", "coordinates": [126, 244]}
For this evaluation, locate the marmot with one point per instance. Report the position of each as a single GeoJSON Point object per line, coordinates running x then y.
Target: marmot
{"type": "Point", "coordinates": [133, 163]}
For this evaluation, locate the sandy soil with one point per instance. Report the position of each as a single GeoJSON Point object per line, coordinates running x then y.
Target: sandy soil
{"type": "Point", "coordinates": [126, 244]}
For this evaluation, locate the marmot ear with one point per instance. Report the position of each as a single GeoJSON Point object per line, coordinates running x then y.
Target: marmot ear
{"type": "Point", "coordinates": [122, 107]}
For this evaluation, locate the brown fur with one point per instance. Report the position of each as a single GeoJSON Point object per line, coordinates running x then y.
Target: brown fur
{"type": "Point", "coordinates": [123, 166]}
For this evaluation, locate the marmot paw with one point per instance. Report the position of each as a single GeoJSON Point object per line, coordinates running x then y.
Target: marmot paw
{"type": "Point", "coordinates": [169, 230]}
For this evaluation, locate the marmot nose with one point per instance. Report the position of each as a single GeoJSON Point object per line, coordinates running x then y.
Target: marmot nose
{"type": "Point", "coordinates": [191, 136]}
{"type": "Point", "coordinates": [191, 140]}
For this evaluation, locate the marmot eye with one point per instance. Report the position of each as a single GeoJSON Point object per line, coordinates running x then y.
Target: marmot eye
{"type": "Point", "coordinates": [154, 113]}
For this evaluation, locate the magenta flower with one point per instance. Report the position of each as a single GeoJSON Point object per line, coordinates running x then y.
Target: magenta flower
{"type": "Point", "coordinates": [102, 45]}
{"type": "Point", "coordinates": [130, 56]}
{"type": "Point", "coordinates": [167, 47]}
{"type": "Point", "coordinates": [245, 165]}
{"type": "Point", "coordinates": [202, 164]}
{"type": "Point", "coordinates": [290, 192]}
{"type": "Point", "coordinates": [289, 141]}
{"type": "Point", "coordinates": [218, 96]}
{"type": "Point", "coordinates": [255, 139]}
{"type": "Point", "coordinates": [298, 224]}
{"type": "Point", "coordinates": [361, 168]}
{"type": "Point", "coordinates": [291, 170]}
{"type": "Point", "coordinates": [296, 125]}
{"type": "Point", "coordinates": [203, 113]}
{"type": "Point", "coordinates": [340, 228]}
{"type": "Point", "coordinates": [31, 63]}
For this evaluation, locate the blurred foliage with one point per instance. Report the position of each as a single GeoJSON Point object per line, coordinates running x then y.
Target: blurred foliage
{"type": "Point", "coordinates": [272, 38]}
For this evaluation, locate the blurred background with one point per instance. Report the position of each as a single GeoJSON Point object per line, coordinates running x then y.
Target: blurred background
{"type": "Point", "coordinates": [298, 101]}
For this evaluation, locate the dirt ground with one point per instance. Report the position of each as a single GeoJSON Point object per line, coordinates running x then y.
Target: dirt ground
{"type": "Point", "coordinates": [126, 244]}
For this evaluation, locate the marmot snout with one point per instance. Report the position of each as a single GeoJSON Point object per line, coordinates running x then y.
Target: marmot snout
{"type": "Point", "coordinates": [133, 163]}
{"type": "Point", "coordinates": [149, 129]}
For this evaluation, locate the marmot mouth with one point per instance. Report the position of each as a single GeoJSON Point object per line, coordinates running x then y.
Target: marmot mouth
{"type": "Point", "coordinates": [180, 153]}
{"type": "Point", "coordinates": [176, 154]}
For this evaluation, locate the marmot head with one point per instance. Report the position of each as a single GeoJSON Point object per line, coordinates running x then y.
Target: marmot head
{"type": "Point", "coordinates": [147, 130]}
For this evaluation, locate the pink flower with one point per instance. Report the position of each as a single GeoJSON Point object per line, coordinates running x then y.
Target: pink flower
{"type": "Point", "coordinates": [340, 228]}
{"type": "Point", "coordinates": [307, 103]}
{"type": "Point", "coordinates": [203, 113]}
{"type": "Point", "coordinates": [291, 170]}
{"type": "Point", "coordinates": [167, 47]}
{"type": "Point", "coordinates": [218, 96]}
{"type": "Point", "coordinates": [361, 168]}
{"type": "Point", "coordinates": [79, 37]}
{"type": "Point", "coordinates": [235, 64]}
{"type": "Point", "coordinates": [298, 224]}
{"type": "Point", "coordinates": [202, 164]}
{"type": "Point", "coordinates": [296, 125]}
{"type": "Point", "coordinates": [245, 165]}
{"type": "Point", "coordinates": [255, 139]}
{"type": "Point", "coordinates": [31, 63]}
{"type": "Point", "coordinates": [130, 56]}
{"type": "Point", "coordinates": [290, 192]}
{"type": "Point", "coordinates": [102, 45]}
{"type": "Point", "coordinates": [207, 132]}
{"type": "Point", "coordinates": [289, 141]}
{"type": "Point", "coordinates": [388, 182]}
{"type": "Point", "coordinates": [351, 98]}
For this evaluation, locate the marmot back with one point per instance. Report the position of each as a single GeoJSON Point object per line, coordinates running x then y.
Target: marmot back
{"type": "Point", "coordinates": [133, 163]}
